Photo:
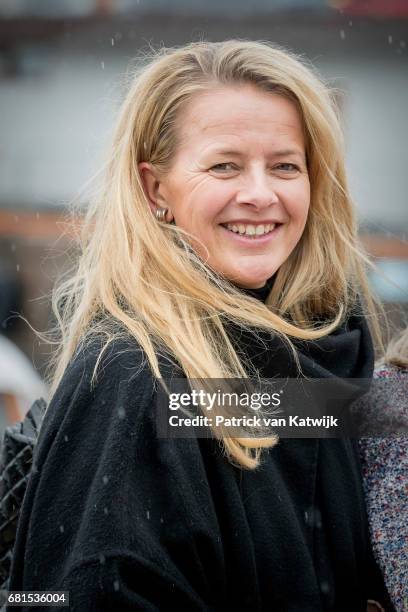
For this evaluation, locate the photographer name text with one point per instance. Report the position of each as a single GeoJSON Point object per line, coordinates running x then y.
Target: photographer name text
{"type": "Point", "coordinates": [325, 422]}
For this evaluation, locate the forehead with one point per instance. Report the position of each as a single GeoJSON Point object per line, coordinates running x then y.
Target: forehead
{"type": "Point", "coordinates": [240, 112]}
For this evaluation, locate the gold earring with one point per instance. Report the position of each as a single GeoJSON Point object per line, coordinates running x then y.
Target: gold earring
{"type": "Point", "coordinates": [161, 214]}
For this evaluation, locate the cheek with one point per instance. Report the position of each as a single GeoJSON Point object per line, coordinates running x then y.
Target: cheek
{"type": "Point", "coordinates": [298, 204]}
{"type": "Point", "coordinates": [206, 211]}
{"type": "Point", "coordinates": [202, 202]}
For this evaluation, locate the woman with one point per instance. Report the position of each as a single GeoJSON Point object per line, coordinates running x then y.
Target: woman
{"type": "Point", "coordinates": [248, 266]}
{"type": "Point", "coordinates": [385, 467]}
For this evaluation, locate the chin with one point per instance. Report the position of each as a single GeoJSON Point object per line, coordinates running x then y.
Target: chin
{"type": "Point", "coordinates": [247, 277]}
{"type": "Point", "coordinates": [251, 282]}
{"type": "Point", "coordinates": [255, 281]}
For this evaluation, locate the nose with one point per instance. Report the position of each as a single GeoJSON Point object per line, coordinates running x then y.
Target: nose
{"type": "Point", "coordinates": [258, 191]}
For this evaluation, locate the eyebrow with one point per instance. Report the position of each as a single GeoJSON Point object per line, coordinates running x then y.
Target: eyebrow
{"type": "Point", "coordinates": [279, 153]}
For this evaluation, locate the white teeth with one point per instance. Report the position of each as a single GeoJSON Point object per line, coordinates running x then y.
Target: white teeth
{"type": "Point", "coordinates": [251, 230]}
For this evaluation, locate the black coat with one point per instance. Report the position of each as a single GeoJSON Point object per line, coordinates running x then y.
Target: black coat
{"type": "Point", "coordinates": [125, 520]}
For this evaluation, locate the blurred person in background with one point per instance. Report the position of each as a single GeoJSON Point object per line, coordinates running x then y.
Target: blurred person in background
{"type": "Point", "coordinates": [223, 245]}
{"type": "Point", "coordinates": [20, 384]}
{"type": "Point", "coordinates": [385, 467]}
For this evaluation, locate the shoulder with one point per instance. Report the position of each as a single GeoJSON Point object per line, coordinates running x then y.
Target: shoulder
{"type": "Point", "coordinates": [98, 367]}
{"type": "Point", "coordinates": [97, 364]}
{"type": "Point", "coordinates": [102, 386]}
{"type": "Point", "coordinates": [390, 388]}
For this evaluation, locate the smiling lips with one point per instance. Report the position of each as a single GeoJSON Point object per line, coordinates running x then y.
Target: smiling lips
{"type": "Point", "coordinates": [250, 229]}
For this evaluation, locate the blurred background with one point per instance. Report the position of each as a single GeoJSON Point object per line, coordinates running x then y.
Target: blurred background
{"type": "Point", "coordinates": [63, 66]}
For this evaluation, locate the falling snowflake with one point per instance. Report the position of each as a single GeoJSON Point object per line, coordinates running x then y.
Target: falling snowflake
{"type": "Point", "coordinates": [324, 586]}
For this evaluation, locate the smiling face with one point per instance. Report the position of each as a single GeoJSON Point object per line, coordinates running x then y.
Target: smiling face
{"type": "Point", "coordinates": [238, 182]}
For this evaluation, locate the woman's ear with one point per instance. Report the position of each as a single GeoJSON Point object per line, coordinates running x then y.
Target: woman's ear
{"type": "Point", "coordinates": [153, 187]}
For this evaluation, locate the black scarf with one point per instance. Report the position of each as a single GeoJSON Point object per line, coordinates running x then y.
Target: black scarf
{"type": "Point", "coordinates": [345, 353]}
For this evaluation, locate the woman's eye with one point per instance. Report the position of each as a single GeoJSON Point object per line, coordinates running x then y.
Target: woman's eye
{"type": "Point", "coordinates": [222, 165]}
{"type": "Point", "coordinates": [287, 167]}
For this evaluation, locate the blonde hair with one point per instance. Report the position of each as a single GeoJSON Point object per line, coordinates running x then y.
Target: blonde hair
{"type": "Point", "coordinates": [397, 351]}
{"type": "Point", "coordinates": [143, 274]}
